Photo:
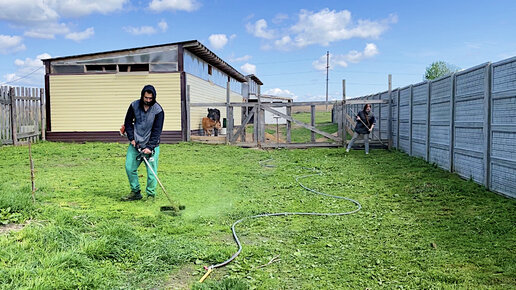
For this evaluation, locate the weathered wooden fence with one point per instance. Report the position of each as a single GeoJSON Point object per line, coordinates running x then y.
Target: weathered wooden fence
{"type": "Point", "coordinates": [22, 114]}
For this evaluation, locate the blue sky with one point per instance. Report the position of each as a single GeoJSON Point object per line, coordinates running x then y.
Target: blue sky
{"type": "Point", "coordinates": [283, 42]}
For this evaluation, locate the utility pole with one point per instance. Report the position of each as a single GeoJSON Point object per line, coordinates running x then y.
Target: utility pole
{"type": "Point", "coordinates": [327, 67]}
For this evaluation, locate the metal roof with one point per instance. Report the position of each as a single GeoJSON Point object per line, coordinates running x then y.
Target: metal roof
{"type": "Point", "coordinates": [255, 79]}
{"type": "Point", "coordinates": [193, 46]}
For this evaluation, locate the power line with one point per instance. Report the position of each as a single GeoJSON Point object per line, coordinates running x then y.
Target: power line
{"type": "Point", "coordinates": [340, 71]}
{"type": "Point", "coordinates": [20, 78]}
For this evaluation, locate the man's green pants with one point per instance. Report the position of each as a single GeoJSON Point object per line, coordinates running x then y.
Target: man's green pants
{"type": "Point", "coordinates": [131, 167]}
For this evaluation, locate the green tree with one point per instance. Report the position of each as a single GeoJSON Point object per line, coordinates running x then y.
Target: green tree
{"type": "Point", "coordinates": [438, 69]}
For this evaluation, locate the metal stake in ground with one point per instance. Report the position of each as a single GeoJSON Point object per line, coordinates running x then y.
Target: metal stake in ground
{"type": "Point", "coordinates": [172, 207]}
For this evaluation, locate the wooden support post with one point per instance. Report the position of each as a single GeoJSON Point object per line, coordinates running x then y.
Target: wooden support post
{"type": "Point", "coordinates": [228, 100]}
{"type": "Point", "coordinates": [14, 121]}
{"type": "Point", "coordinates": [342, 120]}
{"type": "Point", "coordinates": [289, 125]}
{"type": "Point", "coordinates": [312, 122]}
{"type": "Point", "coordinates": [32, 179]}
{"type": "Point", "coordinates": [342, 124]}
{"type": "Point", "coordinates": [229, 124]}
{"type": "Point", "coordinates": [338, 118]}
{"type": "Point", "coordinates": [245, 112]}
{"type": "Point", "coordinates": [262, 125]}
{"type": "Point", "coordinates": [188, 120]}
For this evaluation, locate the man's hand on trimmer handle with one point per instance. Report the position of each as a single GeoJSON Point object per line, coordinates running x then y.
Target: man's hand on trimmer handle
{"type": "Point", "coordinates": [144, 151]}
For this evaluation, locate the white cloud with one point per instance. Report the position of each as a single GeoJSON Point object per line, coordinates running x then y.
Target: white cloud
{"type": "Point", "coordinates": [318, 28]}
{"type": "Point", "coordinates": [79, 36]}
{"type": "Point", "coordinates": [10, 44]}
{"type": "Point", "coordinates": [48, 31]}
{"type": "Point", "coordinates": [248, 69]}
{"type": "Point", "coordinates": [218, 41]}
{"type": "Point", "coordinates": [27, 12]}
{"type": "Point", "coordinates": [280, 17]}
{"type": "Point", "coordinates": [259, 29]}
{"type": "Point", "coordinates": [163, 25]}
{"type": "Point", "coordinates": [370, 50]}
{"type": "Point", "coordinates": [42, 11]}
{"type": "Point", "coordinates": [77, 8]}
{"type": "Point", "coordinates": [41, 18]}
{"type": "Point", "coordinates": [342, 60]}
{"type": "Point", "coordinates": [328, 26]}
{"type": "Point", "coordinates": [29, 72]}
{"type": "Point", "coordinates": [240, 59]}
{"type": "Point", "coordinates": [281, 93]}
{"type": "Point", "coordinates": [283, 43]}
{"type": "Point", "coordinates": [173, 5]}
{"type": "Point", "coordinates": [148, 30]}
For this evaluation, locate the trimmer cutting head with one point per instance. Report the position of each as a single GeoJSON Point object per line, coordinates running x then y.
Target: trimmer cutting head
{"type": "Point", "coordinates": [172, 210]}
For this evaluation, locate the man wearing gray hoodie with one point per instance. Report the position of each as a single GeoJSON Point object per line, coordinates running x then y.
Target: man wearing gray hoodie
{"type": "Point", "coordinates": [143, 125]}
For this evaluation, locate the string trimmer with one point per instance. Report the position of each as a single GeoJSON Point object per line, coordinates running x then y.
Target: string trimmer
{"type": "Point", "coordinates": [171, 209]}
{"type": "Point", "coordinates": [369, 129]}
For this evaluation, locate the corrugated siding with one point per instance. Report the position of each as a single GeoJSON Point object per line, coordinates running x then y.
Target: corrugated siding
{"type": "Point", "coordinates": [202, 91]}
{"type": "Point", "coordinates": [99, 102]}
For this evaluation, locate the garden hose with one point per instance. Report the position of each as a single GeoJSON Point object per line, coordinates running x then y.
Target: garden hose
{"type": "Point", "coordinates": [209, 269]}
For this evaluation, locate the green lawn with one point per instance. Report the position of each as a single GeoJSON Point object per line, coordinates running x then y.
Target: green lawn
{"type": "Point", "coordinates": [420, 227]}
{"type": "Point", "coordinates": [302, 135]}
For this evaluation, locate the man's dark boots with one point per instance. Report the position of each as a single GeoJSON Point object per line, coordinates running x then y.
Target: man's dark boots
{"type": "Point", "coordinates": [132, 196]}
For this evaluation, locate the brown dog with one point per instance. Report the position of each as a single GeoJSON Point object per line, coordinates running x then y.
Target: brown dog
{"type": "Point", "coordinates": [208, 125]}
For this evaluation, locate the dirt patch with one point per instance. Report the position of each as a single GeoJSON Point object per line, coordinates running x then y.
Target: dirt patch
{"type": "Point", "coordinates": [5, 229]}
{"type": "Point", "coordinates": [183, 277]}
{"type": "Point", "coordinates": [187, 275]}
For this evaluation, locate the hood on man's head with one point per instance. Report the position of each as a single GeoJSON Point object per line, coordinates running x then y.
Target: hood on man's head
{"type": "Point", "coordinates": [149, 89]}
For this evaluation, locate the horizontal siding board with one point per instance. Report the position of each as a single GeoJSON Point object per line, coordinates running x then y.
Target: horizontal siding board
{"type": "Point", "coordinates": [97, 103]}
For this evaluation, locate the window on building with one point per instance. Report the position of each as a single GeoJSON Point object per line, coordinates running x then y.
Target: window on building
{"type": "Point", "coordinates": [133, 67]}
{"type": "Point", "coordinates": [101, 68]}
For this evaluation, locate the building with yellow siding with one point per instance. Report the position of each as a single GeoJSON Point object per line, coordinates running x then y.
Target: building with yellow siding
{"type": "Point", "coordinates": [87, 95]}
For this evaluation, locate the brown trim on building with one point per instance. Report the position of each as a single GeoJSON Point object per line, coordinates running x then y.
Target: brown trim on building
{"type": "Point", "coordinates": [167, 137]}
{"type": "Point", "coordinates": [180, 58]}
{"type": "Point", "coordinates": [180, 67]}
{"type": "Point", "coordinates": [183, 106]}
{"type": "Point", "coordinates": [47, 95]}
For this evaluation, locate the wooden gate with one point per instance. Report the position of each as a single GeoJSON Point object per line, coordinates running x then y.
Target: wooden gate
{"type": "Point", "coordinates": [255, 112]}
{"type": "Point", "coordinates": [22, 114]}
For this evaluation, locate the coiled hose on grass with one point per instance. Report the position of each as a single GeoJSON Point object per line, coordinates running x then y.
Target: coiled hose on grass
{"type": "Point", "coordinates": [235, 236]}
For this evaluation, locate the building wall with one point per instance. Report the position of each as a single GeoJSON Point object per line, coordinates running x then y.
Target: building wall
{"type": "Point", "coordinates": [99, 102]}
{"type": "Point", "coordinates": [202, 91]}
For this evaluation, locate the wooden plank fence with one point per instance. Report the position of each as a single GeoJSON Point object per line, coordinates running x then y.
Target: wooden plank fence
{"type": "Point", "coordinates": [22, 115]}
